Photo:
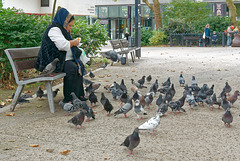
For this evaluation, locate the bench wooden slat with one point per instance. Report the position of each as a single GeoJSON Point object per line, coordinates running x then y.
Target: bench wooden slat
{"type": "Point", "coordinates": [25, 64]}
{"type": "Point", "coordinates": [24, 53]}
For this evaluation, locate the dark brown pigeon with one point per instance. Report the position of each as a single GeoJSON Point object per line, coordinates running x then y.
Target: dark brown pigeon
{"type": "Point", "coordinates": [91, 75]}
{"type": "Point", "coordinates": [78, 119]}
{"type": "Point", "coordinates": [233, 97]}
{"type": "Point", "coordinates": [92, 98]}
{"type": "Point", "coordinates": [227, 117]}
{"type": "Point", "coordinates": [108, 107]}
{"type": "Point", "coordinates": [132, 140]}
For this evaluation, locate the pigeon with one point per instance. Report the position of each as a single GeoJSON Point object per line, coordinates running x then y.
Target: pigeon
{"type": "Point", "coordinates": [55, 92]}
{"type": "Point", "coordinates": [138, 109]}
{"type": "Point", "coordinates": [159, 100]}
{"type": "Point", "coordinates": [108, 107]}
{"type": "Point", "coordinates": [132, 140]}
{"type": "Point", "coordinates": [91, 75]}
{"type": "Point", "coordinates": [92, 98]}
{"type": "Point", "coordinates": [148, 99]}
{"type": "Point", "coordinates": [142, 101]}
{"type": "Point", "coordinates": [104, 65]}
{"type": "Point", "coordinates": [89, 110]}
{"type": "Point", "coordinates": [89, 89]}
{"type": "Point", "coordinates": [68, 107]}
{"type": "Point", "coordinates": [225, 103]}
{"type": "Point", "coordinates": [86, 81]}
{"type": "Point", "coordinates": [136, 95]}
{"type": "Point", "coordinates": [227, 88]}
{"type": "Point", "coordinates": [76, 102]}
{"type": "Point", "coordinates": [103, 99]}
{"type": "Point", "coordinates": [167, 83]}
{"type": "Point", "coordinates": [154, 87]}
{"type": "Point", "coordinates": [124, 97]}
{"type": "Point", "coordinates": [151, 124]}
{"type": "Point", "coordinates": [50, 67]}
{"type": "Point", "coordinates": [163, 108]}
{"type": "Point", "coordinates": [113, 55]}
{"type": "Point", "coordinates": [149, 78]}
{"type": "Point", "coordinates": [116, 93]}
{"type": "Point", "coordinates": [170, 93]}
{"type": "Point", "coordinates": [216, 101]}
{"type": "Point", "coordinates": [142, 80]}
{"type": "Point", "coordinates": [78, 119]}
{"type": "Point", "coordinates": [164, 89]}
{"type": "Point", "coordinates": [22, 98]}
{"type": "Point", "coordinates": [227, 117]}
{"type": "Point", "coordinates": [190, 99]}
{"type": "Point", "coordinates": [181, 80]}
{"type": "Point", "coordinates": [209, 102]}
{"type": "Point", "coordinates": [233, 97]}
{"type": "Point", "coordinates": [177, 105]}
{"type": "Point", "coordinates": [39, 93]}
{"type": "Point", "coordinates": [137, 84]}
{"type": "Point", "coordinates": [95, 86]}
{"type": "Point", "coordinates": [122, 86]}
{"type": "Point", "coordinates": [194, 82]}
{"type": "Point", "coordinates": [210, 91]}
{"type": "Point", "coordinates": [125, 108]}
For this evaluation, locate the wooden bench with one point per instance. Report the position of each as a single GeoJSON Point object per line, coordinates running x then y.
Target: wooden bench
{"type": "Point", "coordinates": [24, 59]}
{"type": "Point", "coordinates": [118, 47]}
{"type": "Point", "coordinates": [193, 39]}
{"type": "Point", "coordinates": [125, 45]}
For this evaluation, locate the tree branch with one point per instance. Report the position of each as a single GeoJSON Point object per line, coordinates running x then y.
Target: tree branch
{"type": "Point", "coordinates": [148, 4]}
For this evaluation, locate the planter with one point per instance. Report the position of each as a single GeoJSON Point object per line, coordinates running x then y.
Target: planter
{"type": "Point", "coordinates": [236, 40]}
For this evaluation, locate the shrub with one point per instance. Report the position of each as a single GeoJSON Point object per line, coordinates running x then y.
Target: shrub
{"type": "Point", "coordinates": [157, 38]}
{"type": "Point", "coordinates": [146, 34]}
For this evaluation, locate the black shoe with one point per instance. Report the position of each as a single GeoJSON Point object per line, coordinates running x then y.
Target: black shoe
{"type": "Point", "coordinates": [83, 98]}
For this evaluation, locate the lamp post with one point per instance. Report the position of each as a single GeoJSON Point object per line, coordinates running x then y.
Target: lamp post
{"type": "Point", "coordinates": [138, 27]}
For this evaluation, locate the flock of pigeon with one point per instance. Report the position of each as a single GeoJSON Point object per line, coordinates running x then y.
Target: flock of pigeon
{"type": "Point", "coordinates": [192, 94]}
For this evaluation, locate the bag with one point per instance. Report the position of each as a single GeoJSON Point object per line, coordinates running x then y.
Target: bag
{"type": "Point", "coordinates": [84, 57]}
{"type": "Point", "coordinates": [203, 35]}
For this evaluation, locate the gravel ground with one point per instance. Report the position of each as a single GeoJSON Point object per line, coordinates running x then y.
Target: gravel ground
{"type": "Point", "coordinates": [198, 134]}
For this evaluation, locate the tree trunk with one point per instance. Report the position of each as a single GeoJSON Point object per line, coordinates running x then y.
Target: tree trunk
{"type": "Point", "coordinates": [156, 12]}
{"type": "Point", "coordinates": [233, 11]}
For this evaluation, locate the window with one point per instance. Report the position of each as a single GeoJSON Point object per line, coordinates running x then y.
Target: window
{"type": "Point", "coordinates": [44, 3]}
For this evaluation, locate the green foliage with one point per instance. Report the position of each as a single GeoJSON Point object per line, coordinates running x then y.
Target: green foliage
{"type": "Point", "coordinates": [157, 38]}
{"type": "Point", "coordinates": [189, 10]}
{"type": "Point", "coordinates": [92, 36]}
{"type": "Point", "coordinates": [18, 30]}
{"type": "Point", "coordinates": [146, 34]}
{"type": "Point", "coordinates": [178, 26]}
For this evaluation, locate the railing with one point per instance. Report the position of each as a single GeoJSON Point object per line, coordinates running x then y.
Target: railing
{"type": "Point", "coordinates": [178, 39]}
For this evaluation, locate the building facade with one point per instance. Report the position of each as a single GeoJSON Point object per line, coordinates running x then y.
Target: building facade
{"type": "Point", "coordinates": [118, 17]}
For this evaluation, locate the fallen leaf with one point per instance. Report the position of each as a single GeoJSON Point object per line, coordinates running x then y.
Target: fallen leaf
{"type": "Point", "coordinates": [50, 150]}
{"type": "Point", "coordinates": [15, 147]}
{"type": "Point", "coordinates": [10, 114]}
{"type": "Point", "coordinates": [39, 106]}
{"type": "Point", "coordinates": [226, 70]}
{"type": "Point", "coordinates": [172, 70]}
{"type": "Point", "coordinates": [181, 71]}
{"type": "Point", "coordinates": [219, 70]}
{"type": "Point", "coordinates": [95, 112]}
{"type": "Point", "coordinates": [7, 149]}
{"type": "Point", "coordinates": [133, 71]}
{"type": "Point", "coordinates": [108, 75]}
{"type": "Point", "coordinates": [106, 158]}
{"type": "Point", "coordinates": [101, 76]}
{"type": "Point", "coordinates": [106, 80]}
{"type": "Point", "coordinates": [19, 150]}
{"type": "Point", "coordinates": [11, 140]}
{"type": "Point", "coordinates": [28, 91]}
{"type": "Point", "coordinates": [34, 145]}
{"type": "Point", "coordinates": [9, 100]}
{"type": "Point", "coordinates": [2, 103]}
{"type": "Point", "coordinates": [65, 152]}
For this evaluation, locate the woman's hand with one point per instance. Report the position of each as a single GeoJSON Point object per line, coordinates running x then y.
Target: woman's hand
{"type": "Point", "coordinates": [74, 42]}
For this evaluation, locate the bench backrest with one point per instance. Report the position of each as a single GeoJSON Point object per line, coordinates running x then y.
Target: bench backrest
{"type": "Point", "coordinates": [124, 43]}
{"type": "Point", "coordinates": [22, 59]}
{"type": "Point", "coordinates": [116, 44]}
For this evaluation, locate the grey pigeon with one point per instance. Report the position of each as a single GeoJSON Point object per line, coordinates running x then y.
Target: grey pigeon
{"type": "Point", "coordinates": [216, 101]}
{"type": "Point", "coordinates": [227, 88]}
{"type": "Point", "coordinates": [137, 84]}
{"type": "Point", "coordinates": [194, 82]}
{"type": "Point", "coordinates": [190, 99]}
{"type": "Point", "coordinates": [124, 97]}
{"type": "Point", "coordinates": [92, 98]}
{"type": "Point", "coordinates": [125, 108]}
{"type": "Point", "coordinates": [108, 107]}
{"type": "Point", "coordinates": [170, 93]}
{"type": "Point", "coordinates": [159, 100]}
{"type": "Point", "coordinates": [210, 91]}
{"type": "Point", "coordinates": [149, 78]}
{"type": "Point", "coordinates": [103, 99]}
{"type": "Point", "coordinates": [225, 103]}
{"type": "Point", "coordinates": [139, 110]}
{"type": "Point", "coordinates": [91, 75]}
{"type": "Point", "coordinates": [86, 81]}
{"type": "Point", "coordinates": [209, 102]}
{"type": "Point", "coordinates": [39, 92]}
{"type": "Point", "coordinates": [50, 67]}
{"type": "Point", "coordinates": [22, 98]}
{"type": "Point", "coordinates": [104, 65]}
{"type": "Point", "coordinates": [148, 99]}
{"type": "Point", "coordinates": [163, 108]}
{"type": "Point", "coordinates": [68, 107]}
{"type": "Point", "coordinates": [154, 87]}
{"type": "Point", "coordinates": [95, 86]}
{"type": "Point", "coordinates": [181, 80]}
{"type": "Point", "coordinates": [132, 140]}
{"type": "Point", "coordinates": [78, 119]}
{"type": "Point", "coordinates": [55, 92]}
{"type": "Point", "coordinates": [151, 124]}
{"type": "Point", "coordinates": [227, 117]}
{"type": "Point", "coordinates": [89, 89]}
{"type": "Point", "coordinates": [167, 82]}
{"type": "Point", "coordinates": [90, 113]}
{"type": "Point", "coordinates": [142, 80]}
{"type": "Point", "coordinates": [122, 86]}
{"type": "Point", "coordinates": [176, 106]}
{"type": "Point", "coordinates": [76, 101]}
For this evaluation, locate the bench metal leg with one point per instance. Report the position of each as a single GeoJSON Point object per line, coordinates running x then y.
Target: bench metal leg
{"type": "Point", "coordinates": [16, 97]}
{"type": "Point", "coordinates": [127, 59]}
{"type": "Point", "coordinates": [133, 55]}
{"type": "Point", "coordinates": [50, 96]}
